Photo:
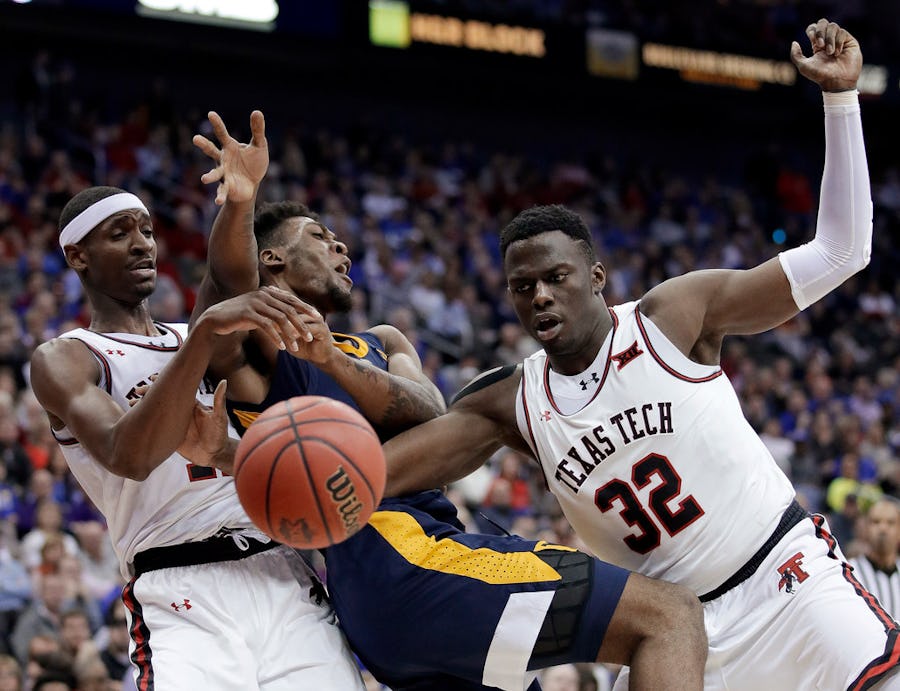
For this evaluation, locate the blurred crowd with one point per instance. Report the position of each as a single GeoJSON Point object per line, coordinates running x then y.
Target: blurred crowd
{"type": "Point", "coordinates": [421, 220]}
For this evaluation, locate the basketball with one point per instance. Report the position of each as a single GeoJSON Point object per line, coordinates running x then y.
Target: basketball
{"type": "Point", "coordinates": [309, 471]}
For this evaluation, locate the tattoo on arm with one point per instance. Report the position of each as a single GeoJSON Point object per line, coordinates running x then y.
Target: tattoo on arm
{"type": "Point", "coordinates": [404, 405]}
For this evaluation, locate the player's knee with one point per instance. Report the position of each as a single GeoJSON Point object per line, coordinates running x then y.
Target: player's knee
{"type": "Point", "coordinates": [673, 610]}
{"type": "Point", "coordinates": [683, 612]}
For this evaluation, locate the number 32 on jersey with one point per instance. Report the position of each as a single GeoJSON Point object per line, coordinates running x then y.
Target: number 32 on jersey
{"type": "Point", "coordinates": [636, 514]}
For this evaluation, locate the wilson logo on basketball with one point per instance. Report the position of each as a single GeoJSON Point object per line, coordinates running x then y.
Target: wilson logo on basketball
{"type": "Point", "coordinates": [343, 494]}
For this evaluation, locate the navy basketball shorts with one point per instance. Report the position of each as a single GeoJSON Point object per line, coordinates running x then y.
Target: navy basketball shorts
{"type": "Point", "coordinates": [421, 601]}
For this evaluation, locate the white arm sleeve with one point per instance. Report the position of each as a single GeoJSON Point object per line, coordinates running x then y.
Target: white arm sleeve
{"type": "Point", "coordinates": [843, 242]}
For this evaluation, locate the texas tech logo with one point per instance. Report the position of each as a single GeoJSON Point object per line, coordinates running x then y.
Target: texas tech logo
{"type": "Point", "coordinates": [792, 573]}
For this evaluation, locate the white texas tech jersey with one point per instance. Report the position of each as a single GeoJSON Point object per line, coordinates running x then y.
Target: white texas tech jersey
{"type": "Point", "coordinates": [178, 502]}
{"type": "Point", "coordinates": [660, 472]}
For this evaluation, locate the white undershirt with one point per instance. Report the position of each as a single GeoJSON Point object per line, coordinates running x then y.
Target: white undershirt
{"type": "Point", "coordinates": [572, 392]}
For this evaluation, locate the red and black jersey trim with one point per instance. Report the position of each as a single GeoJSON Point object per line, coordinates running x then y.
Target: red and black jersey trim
{"type": "Point", "coordinates": [71, 441]}
{"type": "Point", "coordinates": [140, 634]}
{"type": "Point", "coordinates": [888, 660]}
{"type": "Point", "coordinates": [662, 363]}
{"type": "Point", "coordinates": [534, 445]}
{"type": "Point", "coordinates": [164, 349]}
{"type": "Point", "coordinates": [615, 324]}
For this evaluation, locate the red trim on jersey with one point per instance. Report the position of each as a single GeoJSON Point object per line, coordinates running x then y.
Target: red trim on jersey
{"type": "Point", "coordinates": [159, 325]}
{"type": "Point", "coordinates": [140, 634]}
{"type": "Point", "coordinates": [890, 659]}
{"type": "Point", "coordinates": [71, 441]}
{"type": "Point", "coordinates": [615, 323]}
{"type": "Point", "coordinates": [876, 669]}
{"type": "Point", "coordinates": [819, 521]}
{"type": "Point", "coordinates": [663, 364]}
{"type": "Point", "coordinates": [534, 445]}
{"type": "Point", "coordinates": [104, 363]}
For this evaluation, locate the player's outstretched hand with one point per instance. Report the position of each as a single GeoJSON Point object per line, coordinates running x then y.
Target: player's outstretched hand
{"type": "Point", "coordinates": [836, 60]}
{"type": "Point", "coordinates": [239, 167]}
{"type": "Point", "coordinates": [206, 440]}
{"type": "Point", "coordinates": [278, 314]}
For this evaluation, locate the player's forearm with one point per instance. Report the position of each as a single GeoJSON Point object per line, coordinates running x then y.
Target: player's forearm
{"type": "Point", "coordinates": [438, 452]}
{"type": "Point", "coordinates": [151, 431]}
{"type": "Point", "coordinates": [390, 402]}
{"type": "Point", "coordinates": [843, 242]}
{"type": "Point", "coordinates": [231, 255]}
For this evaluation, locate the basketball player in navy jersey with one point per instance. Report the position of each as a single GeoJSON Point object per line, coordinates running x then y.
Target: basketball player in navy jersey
{"type": "Point", "coordinates": [185, 545]}
{"type": "Point", "coordinates": [644, 442]}
{"type": "Point", "coordinates": [424, 605]}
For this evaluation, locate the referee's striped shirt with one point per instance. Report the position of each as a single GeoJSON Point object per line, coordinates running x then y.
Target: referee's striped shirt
{"type": "Point", "coordinates": [885, 585]}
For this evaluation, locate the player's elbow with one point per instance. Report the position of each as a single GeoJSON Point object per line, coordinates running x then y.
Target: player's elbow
{"type": "Point", "coordinates": [128, 458]}
{"type": "Point", "coordinates": [124, 466]}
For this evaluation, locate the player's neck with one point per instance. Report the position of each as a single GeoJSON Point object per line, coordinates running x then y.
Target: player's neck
{"type": "Point", "coordinates": [115, 317]}
{"type": "Point", "coordinates": [574, 363]}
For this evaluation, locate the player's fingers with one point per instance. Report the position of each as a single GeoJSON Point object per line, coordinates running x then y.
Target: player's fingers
{"type": "Point", "coordinates": [206, 146]}
{"type": "Point", "coordinates": [221, 193]}
{"type": "Point", "coordinates": [258, 128]}
{"type": "Point", "coordinates": [283, 318]}
{"type": "Point", "coordinates": [830, 33]}
{"type": "Point", "coordinates": [218, 126]}
{"type": "Point", "coordinates": [816, 32]}
{"type": "Point", "coordinates": [267, 326]}
{"type": "Point", "coordinates": [797, 56]}
{"type": "Point", "coordinates": [214, 175]}
{"type": "Point", "coordinates": [219, 396]}
{"type": "Point", "coordinates": [294, 301]}
{"type": "Point", "coordinates": [841, 38]}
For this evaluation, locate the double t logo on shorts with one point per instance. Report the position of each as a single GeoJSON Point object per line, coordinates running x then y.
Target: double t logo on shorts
{"type": "Point", "coordinates": [792, 572]}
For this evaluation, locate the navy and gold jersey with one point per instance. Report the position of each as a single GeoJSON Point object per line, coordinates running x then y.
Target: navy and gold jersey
{"type": "Point", "coordinates": [296, 377]}
{"type": "Point", "coordinates": [429, 607]}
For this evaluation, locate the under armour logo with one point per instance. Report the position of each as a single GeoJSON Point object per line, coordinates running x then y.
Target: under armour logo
{"type": "Point", "coordinates": [185, 605]}
{"type": "Point", "coordinates": [791, 571]}
{"type": "Point", "coordinates": [115, 352]}
{"type": "Point", "coordinates": [627, 355]}
{"type": "Point", "coordinates": [545, 415]}
{"type": "Point", "coordinates": [594, 378]}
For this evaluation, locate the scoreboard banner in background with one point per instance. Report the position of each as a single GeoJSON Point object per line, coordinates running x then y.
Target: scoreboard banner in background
{"type": "Point", "coordinates": [602, 52]}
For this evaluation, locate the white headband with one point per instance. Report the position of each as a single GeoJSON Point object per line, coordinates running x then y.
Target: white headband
{"type": "Point", "coordinates": [96, 213]}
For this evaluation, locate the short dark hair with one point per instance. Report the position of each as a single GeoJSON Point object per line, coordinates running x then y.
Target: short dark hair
{"type": "Point", "coordinates": [544, 219]}
{"type": "Point", "coordinates": [83, 200]}
{"type": "Point", "coordinates": [270, 216]}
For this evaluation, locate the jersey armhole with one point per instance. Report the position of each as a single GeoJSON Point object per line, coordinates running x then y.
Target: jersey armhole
{"type": "Point", "coordinates": [105, 381]}
{"type": "Point", "coordinates": [484, 380]}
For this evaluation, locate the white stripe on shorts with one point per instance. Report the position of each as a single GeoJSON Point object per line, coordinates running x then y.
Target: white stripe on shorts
{"type": "Point", "coordinates": [514, 638]}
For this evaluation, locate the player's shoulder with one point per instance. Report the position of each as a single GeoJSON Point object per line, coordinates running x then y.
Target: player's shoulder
{"type": "Point", "coordinates": [62, 362]}
{"type": "Point", "coordinates": [492, 386]}
{"type": "Point", "coordinates": [59, 350]}
{"type": "Point", "coordinates": [389, 336]}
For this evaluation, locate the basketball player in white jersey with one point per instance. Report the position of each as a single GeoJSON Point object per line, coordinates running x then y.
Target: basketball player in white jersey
{"type": "Point", "coordinates": [642, 439]}
{"type": "Point", "coordinates": [212, 603]}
